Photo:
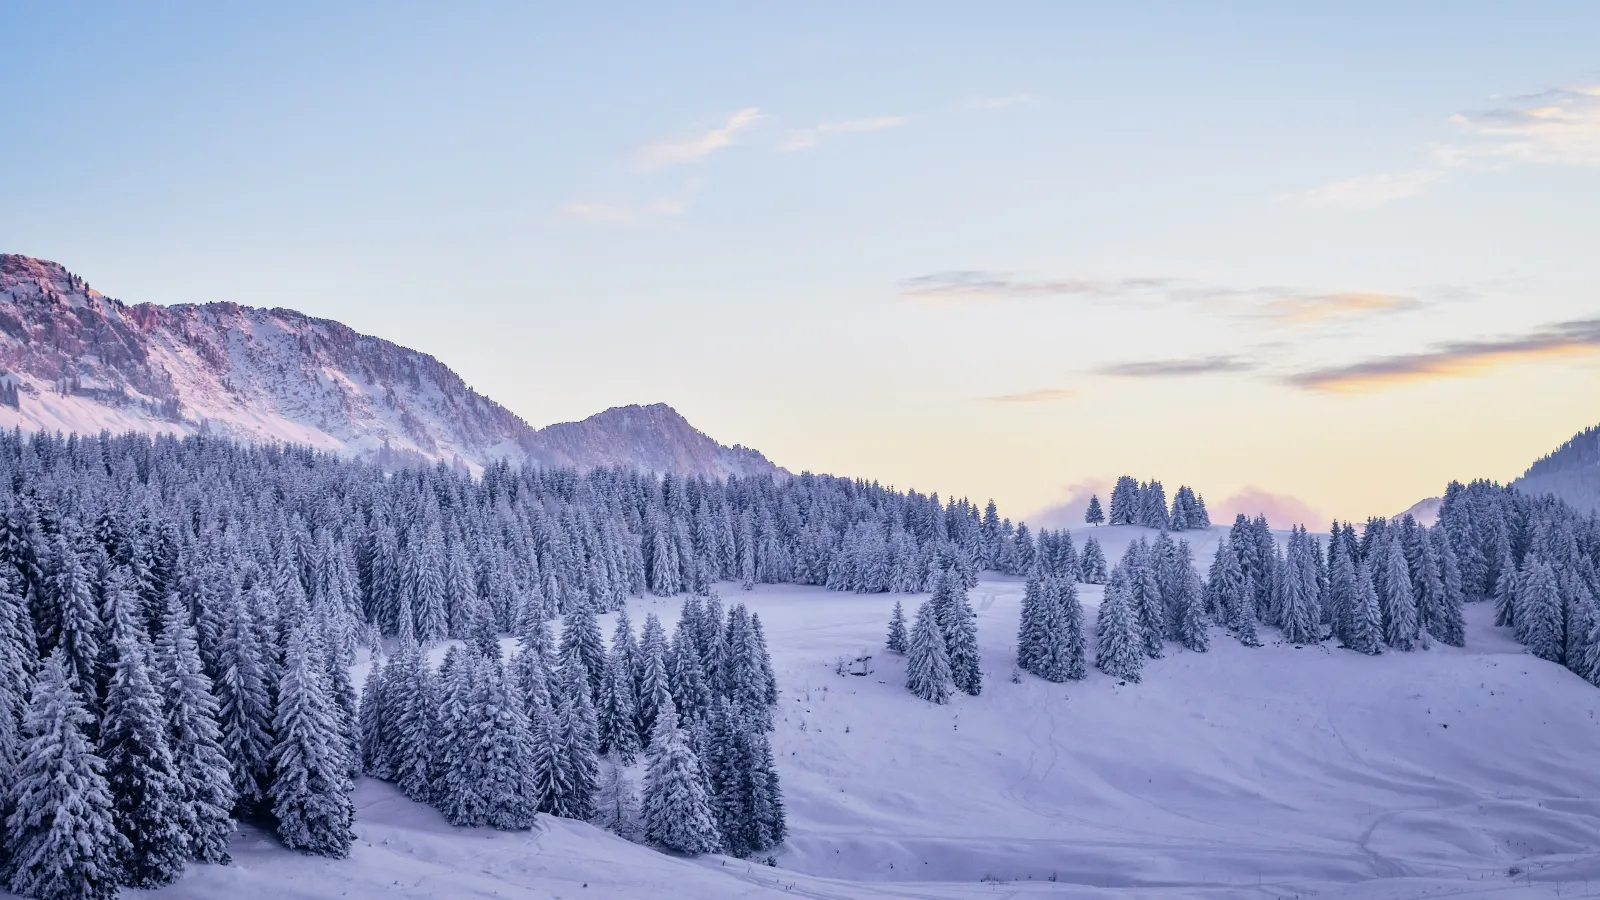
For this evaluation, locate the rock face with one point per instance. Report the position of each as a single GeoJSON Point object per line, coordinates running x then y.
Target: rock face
{"type": "Point", "coordinates": [75, 360]}
{"type": "Point", "coordinates": [1571, 472]}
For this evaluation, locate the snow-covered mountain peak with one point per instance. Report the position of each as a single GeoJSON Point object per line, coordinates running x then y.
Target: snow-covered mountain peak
{"type": "Point", "coordinates": [76, 360]}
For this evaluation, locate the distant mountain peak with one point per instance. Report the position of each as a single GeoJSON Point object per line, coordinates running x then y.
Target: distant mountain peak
{"type": "Point", "coordinates": [73, 359]}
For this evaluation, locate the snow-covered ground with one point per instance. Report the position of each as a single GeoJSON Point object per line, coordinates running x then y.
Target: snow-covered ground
{"type": "Point", "coordinates": [1280, 771]}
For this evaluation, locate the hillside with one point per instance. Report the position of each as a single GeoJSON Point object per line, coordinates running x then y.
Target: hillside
{"type": "Point", "coordinates": [76, 360]}
{"type": "Point", "coordinates": [1274, 772]}
{"type": "Point", "coordinates": [1570, 472]}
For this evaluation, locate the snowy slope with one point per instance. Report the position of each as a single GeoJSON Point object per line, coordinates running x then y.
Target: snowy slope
{"type": "Point", "coordinates": [1280, 771]}
{"type": "Point", "coordinates": [83, 362]}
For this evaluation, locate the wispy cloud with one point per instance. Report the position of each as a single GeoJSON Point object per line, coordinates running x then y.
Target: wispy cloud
{"type": "Point", "coordinates": [1311, 309]}
{"type": "Point", "coordinates": [806, 138]}
{"type": "Point", "coordinates": [1176, 368]}
{"type": "Point", "coordinates": [1004, 102]}
{"type": "Point", "coordinates": [969, 286]}
{"type": "Point", "coordinates": [1281, 510]}
{"type": "Point", "coordinates": [678, 151]}
{"type": "Point", "coordinates": [1554, 127]}
{"type": "Point", "coordinates": [623, 214]}
{"type": "Point", "coordinates": [1458, 359]}
{"type": "Point", "coordinates": [1277, 305]}
{"type": "Point", "coordinates": [1367, 191]}
{"type": "Point", "coordinates": [1042, 395]}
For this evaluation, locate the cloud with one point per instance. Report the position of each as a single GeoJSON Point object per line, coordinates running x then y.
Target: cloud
{"type": "Point", "coordinates": [1005, 102]}
{"type": "Point", "coordinates": [806, 138]}
{"type": "Point", "coordinates": [1457, 359]}
{"type": "Point", "coordinates": [614, 214]}
{"type": "Point", "coordinates": [678, 151]}
{"type": "Point", "coordinates": [966, 286]}
{"type": "Point", "coordinates": [1281, 510]}
{"type": "Point", "coordinates": [1308, 309]}
{"type": "Point", "coordinates": [1367, 191]}
{"type": "Point", "coordinates": [1560, 127]}
{"type": "Point", "coordinates": [1068, 512]}
{"type": "Point", "coordinates": [1555, 127]}
{"type": "Point", "coordinates": [1042, 395]}
{"type": "Point", "coordinates": [1171, 368]}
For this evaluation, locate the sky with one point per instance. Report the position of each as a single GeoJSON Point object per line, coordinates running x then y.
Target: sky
{"type": "Point", "coordinates": [1312, 259]}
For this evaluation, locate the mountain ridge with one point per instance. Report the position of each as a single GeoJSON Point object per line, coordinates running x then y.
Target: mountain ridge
{"type": "Point", "coordinates": [73, 359]}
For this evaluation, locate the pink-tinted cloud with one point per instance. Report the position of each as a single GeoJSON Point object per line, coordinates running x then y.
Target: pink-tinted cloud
{"type": "Point", "coordinates": [1281, 510]}
{"type": "Point", "coordinates": [1068, 511]}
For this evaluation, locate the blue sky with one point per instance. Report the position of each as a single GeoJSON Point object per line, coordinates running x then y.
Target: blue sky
{"type": "Point", "coordinates": [1340, 253]}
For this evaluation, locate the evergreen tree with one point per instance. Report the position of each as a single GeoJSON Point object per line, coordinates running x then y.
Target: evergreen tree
{"type": "Point", "coordinates": [194, 739]}
{"type": "Point", "coordinates": [1145, 597]}
{"type": "Point", "coordinates": [410, 711]}
{"type": "Point", "coordinates": [73, 624]}
{"type": "Point", "coordinates": [578, 746]}
{"type": "Point", "coordinates": [1447, 624]}
{"type": "Point", "coordinates": [1363, 628]}
{"type": "Point", "coordinates": [580, 640]}
{"type": "Point", "coordinates": [60, 834]}
{"type": "Point", "coordinates": [961, 638]}
{"type": "Point", "coordinates": [617, 805]}
{"type": "Point", "coordinates": [148, 802]}
{"type": "Point", "coordinates": [927, 661]}
{"type": "Point", "coordinates": [617, 717]}
{"type": "Point", "coordinates": [244, 705]}
{"type": "Point", "coordinates": [1033, 628]}
{"type": "Point", "coordinates": [1119, 639]}
{"type": "Point", "coordinates": [311, 783]}
{"type": "Point", "coordinates": [1539, 610]}
{"type": "Point", "coordinates": [898, 639]}
{"type": "Point", "coordinates": [1092, 563]}
{"type": "Point", "coordinates": [375, 737]}
{"type": "Point", "coordinates": [1094, 515]}
{"type": "Point", "coordinates": [677, 806]}
{"type": "Point", "coordinates": [1188, 603]}
{"type": "Point", "coordinates": [654, 686]}
{"type": "Point", "coordinates": [1399, 606]}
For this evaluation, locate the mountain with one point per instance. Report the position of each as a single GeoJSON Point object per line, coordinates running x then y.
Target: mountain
{"type": "Point", "coordinates": [1425, 511]}
{"type": "Point", "coordinates": [1570, 472]}
{"type": "Point", "coordinates": [74, 360]}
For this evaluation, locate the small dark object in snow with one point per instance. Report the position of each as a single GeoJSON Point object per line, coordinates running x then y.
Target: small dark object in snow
{"type": "Point", "coordinates": [1444, 724]}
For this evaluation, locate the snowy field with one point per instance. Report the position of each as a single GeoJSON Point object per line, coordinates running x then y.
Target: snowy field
{"type": "Point", "coordinates": [1280, 771]}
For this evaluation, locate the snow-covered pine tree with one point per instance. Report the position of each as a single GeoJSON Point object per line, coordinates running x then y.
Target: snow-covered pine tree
{"type": "Point", "coordinates": [1094, 515]}
{"type": "Point", "coordinates": [1399, 606]}
{"type": "Point", "coordinates": [580, 640]}
{"type": "Point", "coordinates": [898, 639]}
{"type": "Point", "coordinates": [244, 704]}
{"type": "Point", "coordinates": [927, 660]}
{"type": "Point", "coordinates": [194, 739]}
{"type": "Point", "coordinates": [1364, 621]}
{"type": "Point", "coordinates": [60, 835]}
{"type": "Point", "coordinates": [1031, 627]}
{"type": "Point", "coordinates": [1144, 597]}
{"type": "Point", "coordinates": [1539, 610]}
{"type": "Point", "coordinates": [1298, 613]}
{"type": "Point", "coordinates": [961, 635]}
{"type": "Point", "coordinates": [72, 623]}
{"type": "Point", "coordinates": [653, 683]}
{"type": "Point", "coordinates": [1119, 638]}
{"type": "Point", "coordinates": [1092, 562]}
{"type": "Point", "coordinates": [578, 745]}
{"type": "Point", "coordinates": [616, 715]}
{"type": "Point", "coordinates": [1342, 590]}
{"type": "Point", "coordinates": [148, 802]}
{"type": "Point", "coordinates": [375, 738]}
{"type": "Point", "coordinates": [1448, 625]}
{"type": "Point", "coordinates": [617, 804]}
{"type": "Point", "coordinates": [311, 785]}
{"type": "Point", "coordinates": [1188, 602]}
{"type": "Point", "coordinates": [1125, 501]}
{"type": "Point", "coordinates": [677, 806]}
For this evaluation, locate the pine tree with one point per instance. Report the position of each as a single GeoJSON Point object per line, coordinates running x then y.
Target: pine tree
{"type": "Point", "coordinates": [1092, 563]}
{"type": "Point", "coordinates": [677, 808]}
{"type": "Point", "coordinates": [148, 802]}
{"type": "Point", "coordinates": [618, 728]}
{"type": "Point", "coordinates": [73, 625]}
{"type": "Point", "coordinates": [375, 737]}
{"type": "Point", "coordinates": [1448, 625]}
{"type": "Point", "coordinates": [1033, 628]}
{"type": "Point", "coordinates": [311, 785]}
{"type": "Point", "coordinates": [194, 739]}
{"type": "Point", "coordinates": [1399, 606]}
{"type": "Point", "coordinates": [410, 712]}
{"type": "Point", "coordinates": [61, 837]}
{"type": "Point", "coordinates": [654, 685]}
{"type": "Point", "coordinates": [580, 640]}
{"type": "Point", "coordinates": [1119, 639]}
{"type": "Point", "coordinates": [927, 661]}
{"type": "Point", "coordinates": [1094, 515]}
{"type": "Point", "coordinates": [1363, 629]}
{"type": "Point", "coordinates": [898, 639]}
{"type": "Point", "coordinates": [617, 805]}
{"type": "Point", "coordinates": [1343, 599]}
{"type": "Point", "coordinates": [961, 641]}
{"type": "Point", "coordinates": [244, 705]}
{"type": "Point", "coordinates": [1539, 610]}
{"type": "Point", "coordinates": [578, 746]}
{"type": "Point", "coordinates": [1145, 598]}
{"type": "Point", "coordinates": [1188, 602]}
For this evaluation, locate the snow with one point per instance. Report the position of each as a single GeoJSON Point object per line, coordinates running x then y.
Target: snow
{"type": "Point", "coordinates": [1270, 772]}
